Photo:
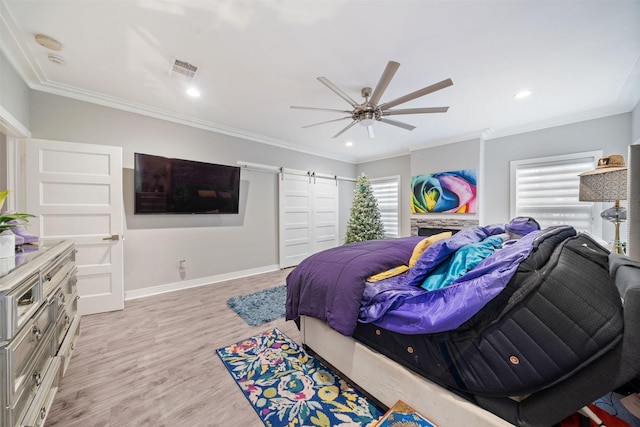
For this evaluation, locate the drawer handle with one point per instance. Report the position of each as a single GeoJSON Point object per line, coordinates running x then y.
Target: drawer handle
{"type": "Point", "coordinates": [37, 378]}
{"type": "Point", "coordinates": [26, 299]}
{"type": "Point", "coordinates": [43, 413]}
{"type": "Point", "coordinates": [67, 319]}
{"type": "Point", "coordinates": [36, 333]}
{"type": "Point", "coordinates": [61, 297]}
{"type": "Point", "coordinates": [47, 277]}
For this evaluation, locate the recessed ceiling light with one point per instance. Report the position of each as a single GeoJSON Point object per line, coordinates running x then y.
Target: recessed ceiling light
{"type": "Point", "coordinates": [48, 42]}
{"type": "Point", "coordinates": [349, 144]}
{"type": "Point", "coordinates": [193, 92]}
{"type": "Point", "coordinates": [522, 94]}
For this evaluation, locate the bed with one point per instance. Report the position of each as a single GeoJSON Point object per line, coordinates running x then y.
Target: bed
{"type": "Point", "coordinates": [365, 324]}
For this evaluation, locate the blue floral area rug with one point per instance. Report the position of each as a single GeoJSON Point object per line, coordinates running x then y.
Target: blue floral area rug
{"type": "Point", "coordinates": [260, 307]}
{"type": "Point", "coordinates": [288, 387]}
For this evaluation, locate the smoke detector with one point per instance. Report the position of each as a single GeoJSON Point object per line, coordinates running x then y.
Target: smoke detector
{"type": "Point", "coordinates": [48, 42]}
{"type": "Point", "coordinates": [184, 68]}
{"type": "Point", "coordinates": [56, 59]}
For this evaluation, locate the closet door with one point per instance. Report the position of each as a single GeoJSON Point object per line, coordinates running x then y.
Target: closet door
{"type": "Point", "coordinates": [308, 216]}
{"type": "Point", "coordinates": [294, 218]}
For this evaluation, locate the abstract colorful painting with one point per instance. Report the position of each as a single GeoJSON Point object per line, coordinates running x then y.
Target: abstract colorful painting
{"type": "Point", "coordinates": [444, 192]}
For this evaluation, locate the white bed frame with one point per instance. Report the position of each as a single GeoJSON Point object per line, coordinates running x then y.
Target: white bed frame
{"type": "Point", "coordinates": [389, 381]}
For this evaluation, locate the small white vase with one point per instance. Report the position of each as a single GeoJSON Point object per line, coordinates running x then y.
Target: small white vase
{"type": "Point", "coordinates": [7, 245]}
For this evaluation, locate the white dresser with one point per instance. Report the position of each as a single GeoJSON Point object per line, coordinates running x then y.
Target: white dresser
{"type": "Point", "coordinates": [39, 325]}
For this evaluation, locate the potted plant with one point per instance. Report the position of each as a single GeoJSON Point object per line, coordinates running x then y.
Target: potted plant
{"type": "Point", "coordinates": [7, 222]}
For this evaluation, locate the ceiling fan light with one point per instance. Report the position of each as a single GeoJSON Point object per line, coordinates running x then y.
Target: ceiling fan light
{"type": "Point", "coordinates": [367, 122]}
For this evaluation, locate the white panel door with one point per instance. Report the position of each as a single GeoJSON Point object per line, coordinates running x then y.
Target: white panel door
{"type": "Point", "coordinates": [325, 214]}
{"type": "Point", "coordinates": [308, 216]}
{"type": "Point", "coordinates": [75, 191]}
{"type": "Point", "coordinates": [295, 219]}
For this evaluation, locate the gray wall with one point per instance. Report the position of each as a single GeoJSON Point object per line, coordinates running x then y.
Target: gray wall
{"type": "Point", "coordinates": [635, 124]}
{"type": "Point", "coordinates": [14, 92]}
{"type": "Point", "coordinates": [211, 244]}
{"type": "Point", "coordinates": [461, 155]}
{"type": "Point", "coordinates": [389, 167]}
{"type": "Point", "coordinates": [611, 134]}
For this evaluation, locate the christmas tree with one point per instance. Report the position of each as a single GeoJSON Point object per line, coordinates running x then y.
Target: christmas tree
{"type": "Point", "coordinates": [365, 222]}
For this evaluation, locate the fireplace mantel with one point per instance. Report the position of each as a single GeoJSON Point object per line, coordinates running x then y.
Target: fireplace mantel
{"type": "Point", "coordinates": [436, 222]}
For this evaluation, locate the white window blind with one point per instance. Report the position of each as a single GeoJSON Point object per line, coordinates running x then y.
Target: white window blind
{"type": "Point", "coordinates": [547, 188]}
{"type": "Point", "coordinates": [387, 192]}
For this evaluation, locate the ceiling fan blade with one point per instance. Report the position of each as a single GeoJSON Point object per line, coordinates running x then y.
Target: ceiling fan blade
{"type": "Point", "coordinates": [320, 109]}
{"type": "Point", "coordinates": [340, 93]}
{"type": "Point", "coordinates": [384, 81]}
{"type": "Point", "coordinates": [415, 111]}
{"type": "Point", "coordinates": [345, 129]}
{"type": "Point", "coordinates": [328, 121]}
{"type": "Point", "coordinates": [397, 123]}
{"type": "Point", "coordinates": [371, 132]}
{"type": "Point", "coordinates": [417, 94]}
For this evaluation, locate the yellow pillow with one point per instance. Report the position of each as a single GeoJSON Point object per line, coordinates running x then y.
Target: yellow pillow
{"type": "Point", "coordinates": [389, 273]}
{"type": "Point", "coordinates": [424, 244]}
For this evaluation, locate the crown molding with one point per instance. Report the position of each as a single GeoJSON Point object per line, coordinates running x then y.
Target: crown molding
{"type": "Point", "coordinates": [10, 126]}
{"type": "Point", "coordinates": [555, 122]}
{"type": "Point", "coordinates": [15, 50]}
{"type": "Point", "coordinates": [476, 134]}
{"type": "Point", "coordinates": [630, 94]}
{"type": "Point", "coordinates": [382, 157]}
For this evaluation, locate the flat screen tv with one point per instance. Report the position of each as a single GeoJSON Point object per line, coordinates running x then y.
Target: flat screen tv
{"type": "Point", "coordinates": [175, 186]}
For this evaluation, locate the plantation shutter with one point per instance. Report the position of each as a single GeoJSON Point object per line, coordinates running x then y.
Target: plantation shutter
{"type": "Point", "coordinates": [387, 193]}
{"type": "Point", "coordinates": [546, 189]}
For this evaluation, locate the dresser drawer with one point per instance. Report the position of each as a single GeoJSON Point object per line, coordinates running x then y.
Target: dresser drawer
{"type": "Point", "coordinates": [54, 275]}
{"type": "Point", "coordinates": [19, 355]}
{"type": "Point", "coordinates": [32, 378]}
{"type": "Point", "coordinates": [37, 412]}
{"type": "Point", "coordinates": [68, 345]}
{"type": "Point", "coordinates": [17, 306]}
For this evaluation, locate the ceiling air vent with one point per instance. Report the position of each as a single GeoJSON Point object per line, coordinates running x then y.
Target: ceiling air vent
{"type": "Point", "coordinates": [184, 68]}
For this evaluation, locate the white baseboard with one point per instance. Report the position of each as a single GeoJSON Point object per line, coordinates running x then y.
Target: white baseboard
{"type": "Point", "coordinates": [201, 281]}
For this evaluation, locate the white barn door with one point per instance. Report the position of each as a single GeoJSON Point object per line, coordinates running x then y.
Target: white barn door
{"type": "Point", "coordinates": [75, 191]}
{"type": "Point", "coordinates": [308, 216]}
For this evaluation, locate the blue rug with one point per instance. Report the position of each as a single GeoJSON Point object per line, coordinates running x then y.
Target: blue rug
{"type": "Point", "coordinates": [260, 307]}
{"type": "Point", "coordinates": [288, 387]}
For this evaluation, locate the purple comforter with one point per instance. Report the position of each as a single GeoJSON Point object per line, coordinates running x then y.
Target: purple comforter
{"type": "Point", "coordinates": [331, 285]}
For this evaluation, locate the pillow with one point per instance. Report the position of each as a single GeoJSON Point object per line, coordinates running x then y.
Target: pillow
{"type": "Point", "coordinates": [424, 244]}
{"type": "Point", "coordinates": [389, 273]}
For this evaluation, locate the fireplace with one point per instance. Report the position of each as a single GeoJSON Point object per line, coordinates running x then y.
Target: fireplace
{"type": "Point", "coordinates": [421, 226]}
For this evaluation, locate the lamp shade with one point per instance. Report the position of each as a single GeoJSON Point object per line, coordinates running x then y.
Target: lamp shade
{"type": "Point", "coordinates": [604, 187]}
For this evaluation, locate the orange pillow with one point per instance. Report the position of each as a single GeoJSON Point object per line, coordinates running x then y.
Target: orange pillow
{"type": "Point", "coordinates": [424, 244]}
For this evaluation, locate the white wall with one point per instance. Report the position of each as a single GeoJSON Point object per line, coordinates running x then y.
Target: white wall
{"type": "Point", "coordinates": [213, 245]}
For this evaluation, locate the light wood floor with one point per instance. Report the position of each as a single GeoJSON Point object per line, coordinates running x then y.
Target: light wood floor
{"type": "Point", "coordinates": [154, 363]}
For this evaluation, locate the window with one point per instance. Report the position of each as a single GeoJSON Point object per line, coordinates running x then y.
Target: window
{"type": "Point", "coordinates": [547, 189]}
{"type": "Point", "coordinates": [387, 193]}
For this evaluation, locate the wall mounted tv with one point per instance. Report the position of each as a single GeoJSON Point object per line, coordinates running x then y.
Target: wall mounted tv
{"type": "Point", "coordinates": [174, 186]}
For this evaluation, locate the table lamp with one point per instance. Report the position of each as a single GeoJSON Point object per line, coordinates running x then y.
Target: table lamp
{"type": "Point", "coordinates": [607, 183]}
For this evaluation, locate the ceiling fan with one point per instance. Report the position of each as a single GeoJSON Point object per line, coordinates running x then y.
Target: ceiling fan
{"type": "Point", "coordinates": [370, 111]}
